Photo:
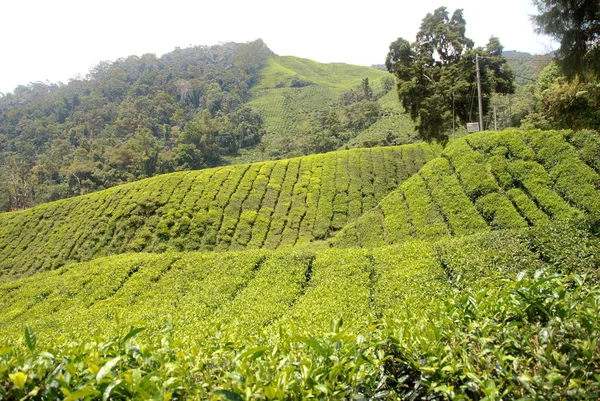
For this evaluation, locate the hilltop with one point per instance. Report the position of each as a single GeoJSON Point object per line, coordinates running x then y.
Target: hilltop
{"type": "Point", "coordinates": [193, 108]}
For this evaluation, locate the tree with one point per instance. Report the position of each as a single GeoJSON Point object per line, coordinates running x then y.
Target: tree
{"type": "Point", "coordinates": [576, 25]}
{"type": "Point", "coordinates": [200, 139]}
{"type": "Point", "coordinates": [567, 103]}
{"type": "Point", "coordinates": [436, 77]}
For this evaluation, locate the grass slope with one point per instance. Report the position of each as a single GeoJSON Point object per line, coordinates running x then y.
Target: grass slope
{"type": "Point", "coordinates": [488, 181]}
{"type": "Point", "coordinates": [263, 205]}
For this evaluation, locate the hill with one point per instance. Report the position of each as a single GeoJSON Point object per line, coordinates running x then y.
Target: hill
{"type": "Point", "coordinates": [128, 119]}
{"type": "Point", "coordinates": [488, 181]}
{"type": "Point", "coordinates": [192, 108]}
{"type": "Point", "coordinates": [526, 66]}
{"type": "Point", "coordinates": [475, 276]}
{"type": "Point", "coordinates": [294, 95]}
{"type": "Point", "coordinates": [262, 205]}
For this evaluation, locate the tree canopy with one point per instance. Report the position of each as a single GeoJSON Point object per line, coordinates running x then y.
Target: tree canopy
{"type": "Point", "coordinates": [128, 119]}
{"type": "Point", "coordinates": [576, 25]}
{"type": "Point", "coordinates": [436, 76]}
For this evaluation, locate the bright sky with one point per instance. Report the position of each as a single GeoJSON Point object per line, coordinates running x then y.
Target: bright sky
{"type": "Point", "coordinates": [56, 40]}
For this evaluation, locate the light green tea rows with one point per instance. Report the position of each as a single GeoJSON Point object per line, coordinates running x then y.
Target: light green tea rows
{"type": "Point", "coordinates": [271, 205]}
{"type": "Point", "coordinates": [245, 292]}
{"type": "Point", "coordinates": [487, 182]}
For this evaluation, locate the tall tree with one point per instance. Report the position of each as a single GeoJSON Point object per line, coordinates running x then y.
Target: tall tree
{"type": "Point", "coordinates": [436, 76]}
{"type": "Point", "coordinates": [576, 25]}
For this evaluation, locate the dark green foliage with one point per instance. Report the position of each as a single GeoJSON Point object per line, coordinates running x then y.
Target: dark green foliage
{"type": "Point", "coordinates": [576, 25]}
{"type": "Point", "coordinates": [130, 119]}
{"type": "Point", "coordinates": [565, 103]}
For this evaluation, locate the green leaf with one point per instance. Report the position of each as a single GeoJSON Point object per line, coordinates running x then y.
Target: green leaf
{"type": "Point", "coordinates": [322, 388]}
{"type": "Point", "coordinates": [30, 339]}
{"type": "Point", "coordinates": [254, 353]}
{"type": "Point", "coordinates": [108, 390]}
{"type": "Point", "coordinates": [228, 395]}
{"type": "Point", "coordinates": [5, 350]}
{"type": "Point", "coordinates": [133, 333]}
{"type": "Point", "coordinates": [108, 366]}
{"type": "Point", "coordinates": [84, 392]}
{"type": "Point", "coordinates": [314, 344]}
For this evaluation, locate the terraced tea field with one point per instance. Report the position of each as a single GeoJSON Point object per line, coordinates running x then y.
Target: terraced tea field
{"type": "Point", "coordinates": [488, 181]}
{"type": "Point", "coordinates": [390, 273]}
{"type": "Point", "coordinates": [264, 205]}
{"type": "Point", "coordinates": [244, 292]}
{"type": "Point", "coordinates": [289, 111]}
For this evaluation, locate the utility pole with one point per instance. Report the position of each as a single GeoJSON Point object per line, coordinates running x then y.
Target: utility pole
{"type": "Point", "coordinates": [453, 116]}
{"type": "Point", "coordinates": [495, 120]}
{"type": "Point", "coordinates": [479, 94]}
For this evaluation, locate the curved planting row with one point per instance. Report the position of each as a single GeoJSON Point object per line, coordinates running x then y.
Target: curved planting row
{"type": "Point", "coordinates": [489, 181]}
{"type": "Point", "coordinates": [272, 205]}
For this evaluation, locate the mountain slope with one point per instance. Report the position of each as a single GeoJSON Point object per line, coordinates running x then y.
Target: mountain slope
{"type": "Point", "coordinates": [294, 94]}
{"type": "Point", "coordinates": [422, 318]}
{"type": "Point", "coordinates": [271, 205]}
{"type": "Point", "coordinates": [489, 181]}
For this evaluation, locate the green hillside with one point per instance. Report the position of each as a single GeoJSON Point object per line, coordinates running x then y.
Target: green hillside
{"type": "Point", "coordinates": [488, 181]}
{"type": "Point", "coordinates": [464, 273]}
{"type": "Point", "coordinates": [389, 322]}
{"type": "Point", "coordinates": [194, 108]}
{"type": "Point", "coordinates": [263, 205]}
{"type": "Point", "coordinates": [294, 93]}
{"type": "Point", "coordinates": [282, 71]}
{"type": "Point", "coordinates": [244, 292]}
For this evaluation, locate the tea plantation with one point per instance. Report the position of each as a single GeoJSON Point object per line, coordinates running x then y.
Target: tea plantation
{"type": "Point", "coordinates": [391, 273]}
{"type": "Point", "coordinates": [262, 205]}
{"type": "Point", "coordinates": [488, 182]}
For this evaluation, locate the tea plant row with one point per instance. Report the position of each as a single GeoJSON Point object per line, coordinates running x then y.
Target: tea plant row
{"type": "Point", "coordinates": [450, 320]}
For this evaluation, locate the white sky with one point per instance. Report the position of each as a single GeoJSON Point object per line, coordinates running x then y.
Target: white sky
{"type": "Point", "coordinates": [55, 40]}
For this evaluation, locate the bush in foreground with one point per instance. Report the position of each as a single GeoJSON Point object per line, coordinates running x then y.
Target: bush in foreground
{"type": "Point", "coordinates": [530, 338]}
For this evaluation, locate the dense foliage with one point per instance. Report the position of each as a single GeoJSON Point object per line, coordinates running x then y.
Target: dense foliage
{"type": "Point", "coordinates": [566, 93]}
{"type": "Point", "coordinates": [576, 25]}
{"type": "Point", "coordinates": [310, 107]}
{"type": "Point", "coordinates": [489, 181]}
{"type": "Point", "coordinates": [436, 77]}
{"type": "Point", "coordinates": [564, 103]}
{"type": "Point", "coordinates": [189, 109]}
{"type": "Point", "coordinates": [271, 205]}
{"type": "Point", "coordinates": [128, 119]}
{"type": "Point", "coordinates": [418, 321]}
